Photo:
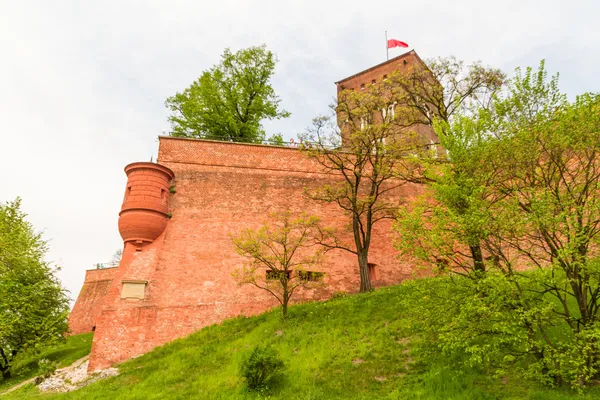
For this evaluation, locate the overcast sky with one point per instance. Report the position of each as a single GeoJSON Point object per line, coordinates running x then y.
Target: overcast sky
{"type": "Point", "coordinates": [83, 83]}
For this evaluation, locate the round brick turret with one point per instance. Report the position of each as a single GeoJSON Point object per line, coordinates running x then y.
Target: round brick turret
{"type": "Point", "coordinates": [145, 211]}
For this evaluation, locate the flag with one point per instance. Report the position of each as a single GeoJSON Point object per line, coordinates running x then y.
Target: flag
{"type": "Point", "coordinates": [396, 43]}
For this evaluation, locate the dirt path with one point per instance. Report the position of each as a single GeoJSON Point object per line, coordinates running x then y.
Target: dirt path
{"type": "Point", "coordinates": [64, 369]}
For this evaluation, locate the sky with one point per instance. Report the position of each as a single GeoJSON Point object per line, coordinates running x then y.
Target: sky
{"type": "Point", "coordinates": [83, 84]}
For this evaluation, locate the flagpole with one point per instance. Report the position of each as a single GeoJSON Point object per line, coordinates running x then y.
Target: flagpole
{"type": "Point", "coordinates": [387, 51]}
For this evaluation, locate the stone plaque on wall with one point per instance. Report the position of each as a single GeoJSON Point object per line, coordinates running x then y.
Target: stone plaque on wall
{"type": "Point", "coordinates": [133, 289]}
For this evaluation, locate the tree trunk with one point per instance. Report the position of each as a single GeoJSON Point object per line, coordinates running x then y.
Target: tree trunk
{"type": "Point", "coordinates": [284, 308]}
{"type": "Point", "coordinates": [363, 266]}
{"type": "Point", "coordinates": [476, 253]}
{"type": "Point", "coordinates": [6, 374]}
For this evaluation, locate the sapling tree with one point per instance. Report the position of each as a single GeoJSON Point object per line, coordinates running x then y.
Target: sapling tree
{"type": "Point", "coordinates": [281, 256]}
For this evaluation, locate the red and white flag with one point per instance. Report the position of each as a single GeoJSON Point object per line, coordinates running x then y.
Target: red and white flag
{"type": "Point", "coordinates": [391, 43]}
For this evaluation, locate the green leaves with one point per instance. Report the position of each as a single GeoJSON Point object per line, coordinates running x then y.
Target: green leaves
{"type": "Point", "coordinates": [33, 305]}
{"type": "Point", "coordinates": [229, 100]}
{"type": "Point", "coordinates": [278, 254]}
{"type": "Point", "coordinates": [521, 193]}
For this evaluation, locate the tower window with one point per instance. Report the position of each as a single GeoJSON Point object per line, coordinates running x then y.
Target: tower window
{"type": "Point", "coordinates": [310, 276]}
{"type": "Point", "coordinates": [276, 275]}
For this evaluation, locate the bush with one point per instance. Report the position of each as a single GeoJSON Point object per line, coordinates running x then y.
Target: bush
{"type": "Point", "coordinates": [45, 369]}
{"type": "Point", "coordinates": [263, 365]}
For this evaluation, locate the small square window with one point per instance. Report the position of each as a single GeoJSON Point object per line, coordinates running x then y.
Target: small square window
{"type": "Point", "coordinates": [276, 275]}
{"type": "Point", "coordinates": [310, 276]}
{"type": "Point", "coordinates": [384, 77]}
{"type": "Point", "coordinates": [373, 275]}
{"type": "Point", "coordinates": [373, 81]}
{"type": "Point", "coordinates": [362, 85]}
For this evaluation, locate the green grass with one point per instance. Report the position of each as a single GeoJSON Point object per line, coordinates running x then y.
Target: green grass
{"type": "Point", "coordinates": [356, 347]}
{"type": "Point", "coordinates": [65, 354]}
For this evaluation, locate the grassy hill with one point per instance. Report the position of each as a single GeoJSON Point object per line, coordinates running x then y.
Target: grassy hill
{"type": "Point", "coordinates": [355, 347]}
{"type": "Point", "coordinates": [64, 354]}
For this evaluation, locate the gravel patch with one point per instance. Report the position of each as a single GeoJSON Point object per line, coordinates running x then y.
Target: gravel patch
{"type": "Point", "coordinates": [74, 378]}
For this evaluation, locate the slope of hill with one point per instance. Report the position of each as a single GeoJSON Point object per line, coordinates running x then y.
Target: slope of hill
{"type": "Point", "coordinates": [354, 347]}
{"type": "Point", "coordinates": [64, 354]}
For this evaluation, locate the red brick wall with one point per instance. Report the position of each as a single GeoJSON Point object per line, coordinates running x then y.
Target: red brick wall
{"type": "Point", "coordinates": [89, 301]}
{"type": "Point", "coordinates": [402, 64]}
{"type": "Point", "coordinates": [222, 188]}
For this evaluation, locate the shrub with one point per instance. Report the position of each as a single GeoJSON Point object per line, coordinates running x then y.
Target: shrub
{"type": "Point", "coordinates": [45, 369]}
{"type": "Point", "coordinates": [263, 365]}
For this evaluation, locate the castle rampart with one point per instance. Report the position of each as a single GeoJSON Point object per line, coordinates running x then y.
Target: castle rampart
{"type": "Point", "coordinates": [177, 220]}
{"type": "Point", "coordinates": [182, 280]}
{"type": "Point", "coordinates": [89, 301]}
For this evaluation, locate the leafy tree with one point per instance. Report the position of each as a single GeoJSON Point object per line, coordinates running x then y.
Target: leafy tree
{"type": "Point", "coordinates": [445, 87]}
{"type": "Point", "coordinates": [33, 305]}
{"type": "Point", "coordinates": [532, 163]}
{"type": "Point", "coordinates": [229, 100]}
{"type": "Point", "coordinates": [437, 94]}
{"type": "Point", "coordinates": [382, 140]}
{"type": "Point", "coordinates": [279, 254]}
{"type": "Point", "coordinates": [368, 144]}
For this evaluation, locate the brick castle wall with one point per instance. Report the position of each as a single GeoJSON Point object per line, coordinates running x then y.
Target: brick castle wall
{"type": "Point", "coordinates": [222, 188]}
{"type": "Point", "coordinates": [89, 301]}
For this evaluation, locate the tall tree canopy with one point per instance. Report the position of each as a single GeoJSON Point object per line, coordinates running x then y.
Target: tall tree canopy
{"type": "Point", "coordinates": [33, 305]}
{"type": "Point", "coordinates": [377, 140]}
{"type": "Point", "coordinates": [230, 99]}
{"type": "Point", "coordinates": [522, 185]}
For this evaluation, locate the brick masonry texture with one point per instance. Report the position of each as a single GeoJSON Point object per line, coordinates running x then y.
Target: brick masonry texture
{"type": "Point", "coordinates": [222, 188]}
{"type": "Point", "coordinates": [179, 244]}
{"type": "Point", "coordinates": [89, 302]}
{"type": "Point", "coordinates": [402, 64]}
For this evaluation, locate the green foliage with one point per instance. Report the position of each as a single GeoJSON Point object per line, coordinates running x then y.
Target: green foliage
{"type": "Point", "coordinates": [64, 354]}
{"type": "Point", "coordinates": [364, 346]}
{"type": "Point", "coordinates": [446, 87]}
{"type": "Point", "coordinates": [229, 100]}
{"type": "Point", "coordinates": [520, 192]}
{"type": "Point", "coordinates": [276, 139]}
{"type": "Point", "coordinates": [45, 369]}
{"type": "Point", "coordinates": [278, 254]}
{"type": "Point", "coordinates": [364, 142]}
{"type": "Point", "coordinates": [33, 305]}
{"type": "Point", "coordinates": [261, 366]}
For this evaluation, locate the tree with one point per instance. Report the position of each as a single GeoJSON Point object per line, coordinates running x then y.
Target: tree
{"type": "Point", "coordinates": [368, 145]}
{"type": "Point", "coordinates": [229, 100]}
{"type": "Point", "coordinates": [116, 258]}
{"type": "Point", "coordinates": [444, 87]}
{"type": "Point", "coordinates": [33, 305]}
{"type": "Point", "coordinates": [279, 255]}
{"type": "Point", "coordinates": [437, 94]}
{"type": "Point", "coordinates": [532, 159]}
{"type": "Point", "coordinates": [378, 143]}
